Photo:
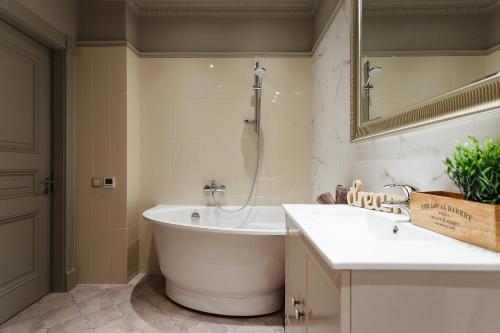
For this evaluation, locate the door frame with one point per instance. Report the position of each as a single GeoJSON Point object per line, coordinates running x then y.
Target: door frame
{"type": "Point", "coordinates": [63, 274]}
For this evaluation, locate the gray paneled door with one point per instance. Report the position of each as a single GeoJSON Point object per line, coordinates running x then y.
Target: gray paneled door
{"type": "Point", "coordinates": [24, 164]}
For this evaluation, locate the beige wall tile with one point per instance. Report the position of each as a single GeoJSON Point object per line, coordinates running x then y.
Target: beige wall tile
{"type": "Point", "coordinates": [162, 192]}
{"type": "Point", "coordinates": [156, 81]}
{"type": "Point", "coordinates": [147, 254]}
{"type": "Point", "coordinates": [224, 118]}
{"type": "Point", "coordinates": [102, 151]}
{"type": "Point", "coordinates": [101, 200]}
{"type": "Point", "coordinates": [163, 161]}
{"type": "Point", "coordinates": [118, 205]}
{"type": "Point", "coordinates": [209, 139]}
{"type": "Point", "coordinates": [133, 163]}
{"type": "Point", "coordinates": [118, 116]}
{"type": "Point", "coordinates": [187, 162]}
{"type": "Point", "coordinates": [84, 82]}
{"type": "Point", "coordinates": [164, 141]}
{"type": "Point", "coordinates": [85, 244]}
{"type": "Point", "coordinates": [185, 193]}
{"type": "Point", "coordinates": [101, 278]}
{"type": "Point", "coordinates": [118, 254]}
{"type": "Point", "coordinates": [84, 204]}
{"type": "Point", "coordinates": [148, 159]}
{"type": "Point", "coordinates": [133, 95]}
{"type": "Point", "coordinates": [133, 203]}
{"type": "Point", "coordinates": [101, 116]}
{"type": "Point", "coordinates": [147, 196]}
{"type": "Point", "coordinates": [100, 93]}
{"type": "Point", "coordinates": [155, 119]}
{"type": "Point", "coordinates": [101, 158]}
{"type": "Point", "coordinates": [195, 78]}
{"type": "Point", "coordinates": [133, 250]}
{"type": "Point", "coordinates": [101, 251]}
{"type": "Point", "coordinates": [100, 70]}
{"type": "Point", "coordinates": [117, 69]}
{"type": "Point", "coordinates": [118, 159]}
{"type": "Point", "coordinates": [209, 119]}
{"type": "Point", "coordinates": [84, 156]}
{"type": "Point", "coordinates": [85, 277]}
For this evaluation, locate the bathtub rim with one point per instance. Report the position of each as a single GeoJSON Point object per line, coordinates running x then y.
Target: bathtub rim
{"type": "Point", "coordinates": [199, 228]}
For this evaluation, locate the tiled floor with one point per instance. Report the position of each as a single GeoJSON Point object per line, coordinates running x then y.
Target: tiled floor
{"type": "Point", "coordinates": [137, 307]}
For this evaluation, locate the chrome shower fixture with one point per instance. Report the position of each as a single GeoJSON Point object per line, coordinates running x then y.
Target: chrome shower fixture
{"type": "Point", "coordinates": [371, 73]}
{"type": "Point", "coordinates": [257, 87]}
{"type": "Point", "coordinates": [216, 188]}
{"type": "Point", "coordinates": [259, 73]}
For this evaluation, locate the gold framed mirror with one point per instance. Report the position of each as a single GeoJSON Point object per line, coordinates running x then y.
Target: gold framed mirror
{"type": "Point", "coordinates": [415, 63]}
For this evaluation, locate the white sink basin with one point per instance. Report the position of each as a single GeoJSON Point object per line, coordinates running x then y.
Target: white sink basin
{"type": "Point", "coordinates": [368, 226]}
{"type": "Point", "coordinates": [354, 238]}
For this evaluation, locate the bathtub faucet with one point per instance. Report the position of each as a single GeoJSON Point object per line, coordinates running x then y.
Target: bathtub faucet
{"type": "Point", "coordinates": [214, 187]}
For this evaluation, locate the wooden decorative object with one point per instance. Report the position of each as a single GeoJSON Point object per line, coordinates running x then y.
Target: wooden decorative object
{"type": "Point", "coordinates": [449, 214]}
{"type": "Point", "coordinates": [356, 197]}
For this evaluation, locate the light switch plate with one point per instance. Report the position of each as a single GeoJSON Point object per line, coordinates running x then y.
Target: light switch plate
{"type": "Point", "coordinates": [96, 182]}
{"type": "Point", "coordinates": [109, 182]}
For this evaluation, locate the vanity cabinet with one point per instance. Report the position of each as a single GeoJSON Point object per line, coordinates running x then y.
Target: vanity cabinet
{"type": "Point", "coordinates": [314, 293]}
{"type": "Point", "coordinates": [320, 299]}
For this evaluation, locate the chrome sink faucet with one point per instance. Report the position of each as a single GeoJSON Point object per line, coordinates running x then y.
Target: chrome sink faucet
{"type": "Point", "coordinates": [403, 204]}
{"type": "Point", "coordinates": [214, 187]}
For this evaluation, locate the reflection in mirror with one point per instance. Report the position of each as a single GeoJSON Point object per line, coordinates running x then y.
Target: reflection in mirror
{"type": "Point", "coordinates": [414, 50]}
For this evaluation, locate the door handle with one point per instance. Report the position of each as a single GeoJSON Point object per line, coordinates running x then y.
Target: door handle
{"type": "Point", "coordinates": [299, 314]}
{"type": "Point", "coordinates": [49, 185]}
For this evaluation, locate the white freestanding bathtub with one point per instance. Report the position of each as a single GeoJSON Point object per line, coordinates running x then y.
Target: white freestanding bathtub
{"type": "Point", "coordinates": [222, 263]}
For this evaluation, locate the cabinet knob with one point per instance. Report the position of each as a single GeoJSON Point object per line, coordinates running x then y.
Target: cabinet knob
{"type": "Point", "coordinates": [299, 314]}
{"type": "Point", "coordinates": [296, 302]}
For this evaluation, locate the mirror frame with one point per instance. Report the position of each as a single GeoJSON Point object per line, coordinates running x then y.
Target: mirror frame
{"type": "Point", "coordinates": [479, 96]}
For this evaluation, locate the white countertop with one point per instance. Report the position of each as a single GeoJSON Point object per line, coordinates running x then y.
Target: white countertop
{"type": "Point", "coordinates": [354, 238]}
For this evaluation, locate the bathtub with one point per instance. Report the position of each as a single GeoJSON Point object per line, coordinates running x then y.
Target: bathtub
{"type": "Point", "coordinates": [221, 263]}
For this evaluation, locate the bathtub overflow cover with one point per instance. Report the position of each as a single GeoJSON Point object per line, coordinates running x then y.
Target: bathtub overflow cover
{"type": "Point", "coordinates": [195, 217]}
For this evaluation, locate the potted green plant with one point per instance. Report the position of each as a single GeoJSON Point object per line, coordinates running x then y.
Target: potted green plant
{"type": "Point", "coordinates": [473, 215]}
{"type": "Point", "coordinates": [475, 170]}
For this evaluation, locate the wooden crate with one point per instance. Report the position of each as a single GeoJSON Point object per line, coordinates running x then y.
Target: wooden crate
{"type": "Point", "coordinates": [449, 214]}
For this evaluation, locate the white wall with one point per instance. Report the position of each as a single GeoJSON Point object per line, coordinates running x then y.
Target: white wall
{"type": "Point", "coordinates": [61, 14]}
{"type": "Point", "coordinates": [413, 157]}
{"type": "Point", "coordinates": [330, 71]}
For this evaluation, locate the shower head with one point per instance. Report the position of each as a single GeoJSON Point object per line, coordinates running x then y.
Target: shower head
{"type": "Point", "coordinates": [259, 71]}
{"type": "Point", "coordinates": [372, 72]}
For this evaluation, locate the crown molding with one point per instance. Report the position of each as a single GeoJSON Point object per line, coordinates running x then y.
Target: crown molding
{"type": "Point", "coordinates": [437, 7]}
{"type": "Point", "coordinates": [23, 19]}
{"type": "Point", "coordinates": [183, 12]}
{"type": "Point", "coordinates": [221, 8]}
{"type": "Point", "coordinates": [146, 54]}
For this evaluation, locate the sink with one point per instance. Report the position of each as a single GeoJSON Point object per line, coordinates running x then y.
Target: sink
{"type": "Point", "coordinates": [357, 225]}
{"type": "Point", "coordinates": [355, 238]}
{"type": "Point", "coordinates": [402, 231]}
